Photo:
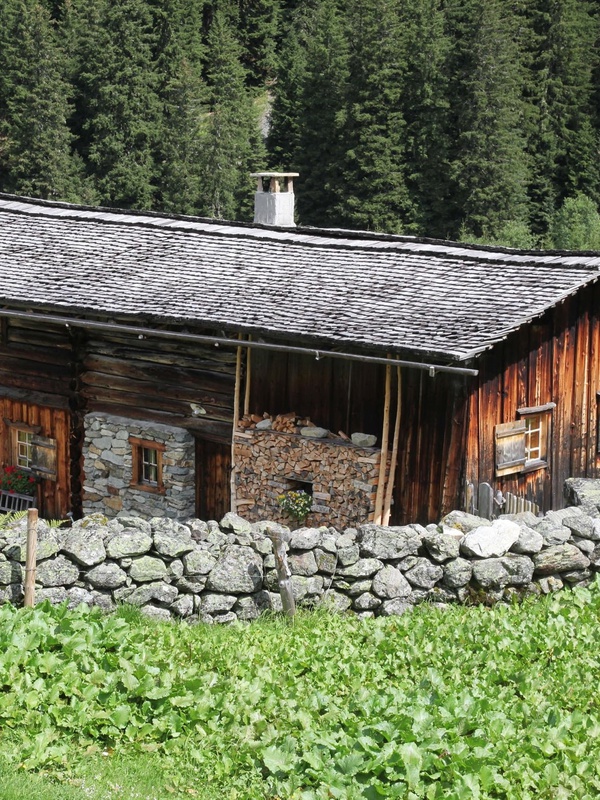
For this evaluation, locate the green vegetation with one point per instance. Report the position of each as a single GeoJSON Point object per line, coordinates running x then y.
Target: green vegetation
{"type": "Point", "coordinates": [450, 119]}
{"type": "Point", "coordinates": [454, 703]}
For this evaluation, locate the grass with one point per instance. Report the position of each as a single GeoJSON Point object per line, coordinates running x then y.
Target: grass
{"type": "Point", "coordinates": [443, 703]}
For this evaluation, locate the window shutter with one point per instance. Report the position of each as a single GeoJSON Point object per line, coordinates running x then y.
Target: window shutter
{"type": "Point", "coordinates": [43, 457]}
{"type": "Point", "coordinates": [510, 447]}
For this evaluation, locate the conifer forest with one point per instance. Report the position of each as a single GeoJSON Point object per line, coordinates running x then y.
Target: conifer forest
{"type": "Point", "coordinates": [464, 119]}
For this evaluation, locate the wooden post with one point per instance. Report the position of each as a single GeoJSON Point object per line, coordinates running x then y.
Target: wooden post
{"type": "Point", "coordinates": [283, 572]}
{"type": "Point", "coordinates": [387, 506]}
{"type": "Point", "coordinates": [384, 445]}
{"type": "Point", "coordinates": [30, 557]}
{"type": "Point", "coordinates": [236, 414]}
{"type": "Point", "coordinates": [248, 378]}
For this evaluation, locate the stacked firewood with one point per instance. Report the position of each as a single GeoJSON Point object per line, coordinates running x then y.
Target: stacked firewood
{"type": "Point", "coordinates": [284, 423]}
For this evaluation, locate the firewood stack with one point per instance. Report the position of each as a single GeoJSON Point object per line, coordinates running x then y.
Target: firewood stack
{"type": "Point", "coordinates": [284, 423]}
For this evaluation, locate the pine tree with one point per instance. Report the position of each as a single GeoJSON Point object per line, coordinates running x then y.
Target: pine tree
{"type": "Point", "coordinates": [231, 144]}
{"type": "Point", "coordinates": [286, 114]}
{"type": "Point", "coordinates": [258, 29]}
{"type": "Point", "coordinates": [321, 100]}
{"type": "Point", "coordinates": [373, 193]}
{"type": "Point", "coordinates": [560, 50]}
{"type": "Point", "coordinates": [179, 58]}
{"type": "Point", "coordinates": [425, 106]}
{"type": "Point", "coordinates": [489, 167]}
{"type": "Point", "coordinates": [118, 107]}
{"type": "Point", "coordinates": [36, 155]}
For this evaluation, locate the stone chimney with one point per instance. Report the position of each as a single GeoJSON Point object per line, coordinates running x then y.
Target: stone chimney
{"type": "Point", "coordinates": [274, 198]}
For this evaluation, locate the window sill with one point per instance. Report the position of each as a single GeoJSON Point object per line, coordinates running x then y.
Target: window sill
{"type": "Point", "coordinates": [146, 487]}
{"type": "Point", "coordinates": [532, 466]}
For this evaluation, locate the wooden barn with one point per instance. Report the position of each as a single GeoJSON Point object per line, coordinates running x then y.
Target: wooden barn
{"type": "Point", "coordinates": [166, 366]}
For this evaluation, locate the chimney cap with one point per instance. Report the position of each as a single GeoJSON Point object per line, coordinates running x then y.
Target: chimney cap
{"type": "Point", "coordinates": [274, 174]}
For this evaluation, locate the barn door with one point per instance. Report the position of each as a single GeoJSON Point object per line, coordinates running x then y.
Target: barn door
{"type": "Point", "coordinates": [213, 471]}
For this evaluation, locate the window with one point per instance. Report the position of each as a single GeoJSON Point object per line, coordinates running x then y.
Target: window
{"type": "Point", "coordinates": [146, 465]}
{"type": "Point", "coordinates": [538, 424]}
{"type": "Point", "coordinates": [22, 448]}
{"type": "Point", "coordinates": [524, 445]}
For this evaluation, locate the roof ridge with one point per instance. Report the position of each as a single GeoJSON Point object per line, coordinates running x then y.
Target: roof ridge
{"type": "Point", "coordinates": [345, 238]}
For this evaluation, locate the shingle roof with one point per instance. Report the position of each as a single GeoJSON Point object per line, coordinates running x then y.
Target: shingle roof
{"type": "Point", "coordinates": [384, 293]}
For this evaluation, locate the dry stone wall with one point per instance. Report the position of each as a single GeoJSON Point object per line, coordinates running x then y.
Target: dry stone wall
{"type": "Point", "coordinates": [222, 572]}
{"type": "Point", "coordinates": [108, 469]}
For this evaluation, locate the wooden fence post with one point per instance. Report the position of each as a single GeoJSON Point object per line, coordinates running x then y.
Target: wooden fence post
{"type": "Point", "coordinates": [30, 557]}
{"type": "Point", "coordinates": [283, 572]}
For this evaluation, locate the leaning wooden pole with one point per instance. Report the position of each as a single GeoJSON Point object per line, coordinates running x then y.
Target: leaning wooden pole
{"type": "Point", "coordinates": [389, 492]}
{"type": "Point", "coordinates": [30, 557]}
{"type": "Point", "coordinates": [236, 414]}
{"type": "Point", "coordinates": [248, 379]}
{"type": "Point", "coordinates": [384, 445]}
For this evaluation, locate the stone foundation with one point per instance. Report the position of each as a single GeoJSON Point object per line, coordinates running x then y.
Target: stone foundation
{"type": "Point", "coordinates": [342, 477]}
{"type": "Point", "coordinates": [108, 469]}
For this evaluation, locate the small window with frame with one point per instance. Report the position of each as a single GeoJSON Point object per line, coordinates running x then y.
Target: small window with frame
{"type": "Point", "coordinates": [147, 465]}
{"type": "Point", "coordinates": [21, 444]}
{"type": "Point", "coordinates": [524, 445]}
{"type": "Point", "coordinates": [538, 432]}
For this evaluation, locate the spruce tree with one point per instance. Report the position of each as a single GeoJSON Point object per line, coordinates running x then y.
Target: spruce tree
{"type": "Point", "coordinates": [560, 50]}
{"type": "Point", "coordinates": [320, 111]}
{"type": "Point", "coordinates": [489, 166]}
{"type": "Point", "coordinates": [258, 30]}
{"type": "Point", "coordinates": [286, 114]}
{"type": "Point", "coordinates": [179, 58]}
{"type": "Point", "coordinates": [373, 193]}
{"type": "Point", "coordinates": [231, 144]}
{"type": "Point", "coordinates": [425, 105]}
{"type": "Point", "coordinates": [118, 107]}
{"type": "Point", "coordinates": [36, 155]}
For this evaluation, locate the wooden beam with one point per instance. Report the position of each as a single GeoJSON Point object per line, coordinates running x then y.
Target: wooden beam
{"type": "Point", "coordinates": [387, 506]}
{"type": "Point", "coordinates": [236, 414]}
{"type": "Point", "coordinates": [384, 446]}
{"type": "Point", "coordinates": [248, 379]}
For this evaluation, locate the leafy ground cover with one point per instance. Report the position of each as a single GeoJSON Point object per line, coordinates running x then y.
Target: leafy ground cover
{"type": "Point", "coordinates": [453, 703]}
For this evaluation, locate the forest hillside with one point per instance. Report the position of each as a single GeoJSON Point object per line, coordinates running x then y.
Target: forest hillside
{"type": "Point", "coordinates": [471, 119]}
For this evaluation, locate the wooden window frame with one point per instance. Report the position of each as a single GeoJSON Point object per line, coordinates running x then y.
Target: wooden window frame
{"type": "Point", "coordinates": [543, 414]}
{"type": "Point", "coordinates": [14, 429]}
{"type": "Point", "coordinates": [137, 465]}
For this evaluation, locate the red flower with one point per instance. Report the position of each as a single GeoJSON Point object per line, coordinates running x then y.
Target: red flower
{"type": "Point", "coordinates": [31, 479]}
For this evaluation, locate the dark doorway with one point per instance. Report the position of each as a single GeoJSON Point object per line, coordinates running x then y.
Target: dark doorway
{"type": "Point", "coordinates": [213, 472]}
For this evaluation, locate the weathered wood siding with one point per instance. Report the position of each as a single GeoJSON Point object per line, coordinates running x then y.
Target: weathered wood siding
{"type": "Point", "coordinates": [341, 395]}
{"type": "Point", "coordinates": [556, 359]}
{"type": "Point", "coordinates": [53, 495]}
{"type": "Point", "coordinates": [213, 474]}
{"type": "Point", "coordinates": [158, 380]}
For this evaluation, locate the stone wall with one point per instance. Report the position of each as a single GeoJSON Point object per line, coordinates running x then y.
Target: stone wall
{"type": "Point", "coordinates": [108, 469]}
{"type": "Point", "coordinates": [342, 477]}
{"type": "Point", "coordinates": [222, 572]}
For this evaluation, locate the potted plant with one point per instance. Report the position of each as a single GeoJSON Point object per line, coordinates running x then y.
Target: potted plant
{"type": "Point", "coordinates": [296, 503]}
{"type": "Point", "coordinates": [17, 481]}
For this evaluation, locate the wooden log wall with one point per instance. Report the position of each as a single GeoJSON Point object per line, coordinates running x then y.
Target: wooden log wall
{"type": "Point", "coordinates": [36, 389]}
{"type": "Point", "coordinates": [161, 381]}
{"type": "Point", "coordinates": [554, 360]}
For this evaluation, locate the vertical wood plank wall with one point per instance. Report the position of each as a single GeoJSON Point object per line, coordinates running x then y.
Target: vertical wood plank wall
{"type": "Point", "coordinates": [54, 496]}
{"type": "Point", "coordinates": [556, 359]}
{"type": "Point", "coordinates": [430, 471]}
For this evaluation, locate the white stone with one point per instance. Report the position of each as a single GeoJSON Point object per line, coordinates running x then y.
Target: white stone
{"type": "Point", "coordinates": [491, 541]}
